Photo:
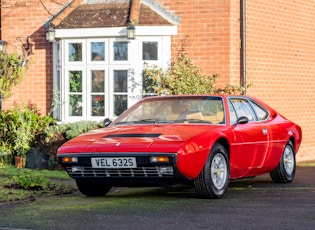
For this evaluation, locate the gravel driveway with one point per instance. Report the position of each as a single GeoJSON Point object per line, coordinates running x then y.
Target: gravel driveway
{"type": "Point", "coordinates": [255, 203]}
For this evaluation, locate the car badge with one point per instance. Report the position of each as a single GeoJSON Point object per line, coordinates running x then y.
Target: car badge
{"type": "Point", "coordinates": [117, 144]}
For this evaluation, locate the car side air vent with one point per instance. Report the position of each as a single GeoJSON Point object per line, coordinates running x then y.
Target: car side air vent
{"type": "Point", "coordinates": [133, 135]}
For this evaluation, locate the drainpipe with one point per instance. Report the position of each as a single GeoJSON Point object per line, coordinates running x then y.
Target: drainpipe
{"type": "Point", "coordinates": [243, 45]}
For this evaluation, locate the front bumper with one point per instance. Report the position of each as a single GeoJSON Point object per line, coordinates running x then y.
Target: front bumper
{"type": "Point", "coordinates": [146, 172]}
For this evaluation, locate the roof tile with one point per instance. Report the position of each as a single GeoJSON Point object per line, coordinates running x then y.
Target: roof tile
{"type": "Point", "coordinates": [109, 14]}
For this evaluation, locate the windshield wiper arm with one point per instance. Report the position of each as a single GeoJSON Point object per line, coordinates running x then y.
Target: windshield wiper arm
{"type": "Point", "coordinates": [191, 120]}
{"type": "Point", "coordinates": [143, 121]}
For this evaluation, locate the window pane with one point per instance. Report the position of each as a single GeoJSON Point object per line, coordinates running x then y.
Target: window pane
{"type": "Point", "coordinates": [75, 81]}
{"type": "Point", "coordinates": [75, 108]}
{"type": "Point", "coordinates": [261, 113]}
{"type": "Point", "coordinates": [98, 78]}
{"type": "Point", "coordinates": [120, 80]}
{"type": "Point", "coordinates": [233, 117]}
{"type": "Point", "coordinates": [120, 105]}
{"type": "Point", "coordinates": [120, 51]}
{"type": "Point", "coordinates": [98, 105]}
{"type": "Point", "coordinates": [243, 108]}
{"type": "Point", "coordinates": [97, 51]}
{"type": "Point", "coordinates": [149, 51]}
{"type": "Point", "coordinates": [75, 51]}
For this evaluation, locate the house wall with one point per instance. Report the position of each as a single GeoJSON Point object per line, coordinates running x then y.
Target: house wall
{"type": "Point", "coordinates": [213, 29]}
{"type": "Point", "coordinates": [281, 61]}
{"type": "Point", "coordinates": [22, 19]}
{"type": "Point", "coordinates": [280, 43]}
{"type": "Point", "coordinates": [280, 48]}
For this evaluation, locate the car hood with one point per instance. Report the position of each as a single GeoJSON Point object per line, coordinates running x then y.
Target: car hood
{"type": "Point", "coordinates": [138, 138]}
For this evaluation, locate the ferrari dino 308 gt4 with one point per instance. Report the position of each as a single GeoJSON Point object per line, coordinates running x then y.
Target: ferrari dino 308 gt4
{"type": "Point", "coordinates": [205, 140]}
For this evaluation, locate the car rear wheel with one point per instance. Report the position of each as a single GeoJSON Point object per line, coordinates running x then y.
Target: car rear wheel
{"type": "Point", "coordinates": [89, 188]}
{"type": "Point", "coordinates": [213, 180]}
{"type": "Point", "coordinates": [285, 171]}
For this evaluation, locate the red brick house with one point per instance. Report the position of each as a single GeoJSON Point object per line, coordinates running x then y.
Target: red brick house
{"type": "Point", "coordinates": [97, 68]}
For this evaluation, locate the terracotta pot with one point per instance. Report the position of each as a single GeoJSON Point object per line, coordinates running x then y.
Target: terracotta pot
{"type": "Point", "coordinates": [19, 161]}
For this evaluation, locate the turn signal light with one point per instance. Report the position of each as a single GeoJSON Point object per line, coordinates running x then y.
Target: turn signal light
{"type": "Point", "coordinates": [160, 159]}
{"type": "Point", "coordinates": [69, 160]}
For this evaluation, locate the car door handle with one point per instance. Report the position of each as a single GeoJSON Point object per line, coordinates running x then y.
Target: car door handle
{"type": "Point", "coordinates": [264, 131]}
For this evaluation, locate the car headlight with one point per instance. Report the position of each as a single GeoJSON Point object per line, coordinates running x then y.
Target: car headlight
{"type": "Point", "coordinates": [69, 160]}
{"type": "Point", "coordinates": [160, 159]}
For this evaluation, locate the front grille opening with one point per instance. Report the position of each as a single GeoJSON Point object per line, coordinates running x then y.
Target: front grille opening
{"type": "Point", "coordinates": [140, 172]}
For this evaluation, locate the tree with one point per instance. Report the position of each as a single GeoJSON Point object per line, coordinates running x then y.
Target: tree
{"type": "Point", "coordinates": [183, 77]}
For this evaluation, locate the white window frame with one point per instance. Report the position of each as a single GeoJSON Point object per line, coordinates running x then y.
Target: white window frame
{"type": "Point", "coordinates": [67, 93]}
{"type": "Point", "coordinates": [134, 65]}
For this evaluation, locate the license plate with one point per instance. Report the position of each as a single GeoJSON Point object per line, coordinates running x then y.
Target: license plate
{"type": "Point", "coordinates": [114, 162]}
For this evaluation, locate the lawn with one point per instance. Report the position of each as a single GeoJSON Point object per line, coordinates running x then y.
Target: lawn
{"type": "Point", "coordinates": [18, 184]}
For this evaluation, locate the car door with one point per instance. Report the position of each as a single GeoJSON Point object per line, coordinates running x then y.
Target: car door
{"type": "Point", "coordinates": [251, 139]}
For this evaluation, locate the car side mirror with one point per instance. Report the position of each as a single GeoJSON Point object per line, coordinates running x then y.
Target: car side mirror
{"type": "Point", "coordinates": [107, 122]}
{"type": "Point", "coordinates": [242, 120]}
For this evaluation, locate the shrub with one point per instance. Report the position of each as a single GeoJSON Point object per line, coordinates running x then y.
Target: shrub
{"type": "Point", "coordinates": [19, 128]}
{"type": "Point", "coordinates": [54, 136]}
{"type": "Point", "coordinates": [183, 77]}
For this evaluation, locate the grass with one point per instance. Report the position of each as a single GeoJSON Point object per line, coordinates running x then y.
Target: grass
{"type": "Point", "coordinates": [13, 171]}
{"type": "Point", "coordinates": [57, 187]}
{"type": "Point", "coordinates": [306, 164]}
{"type": "Point", "coordinates": [11, 190]}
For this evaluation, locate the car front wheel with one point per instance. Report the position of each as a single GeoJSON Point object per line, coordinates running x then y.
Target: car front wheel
{"type": "Point", "coordinates": [89, 188]}
{"type": "Point", "coordinates": [213, 180]}
{"type": "Point", "coordinates": [285, 171]}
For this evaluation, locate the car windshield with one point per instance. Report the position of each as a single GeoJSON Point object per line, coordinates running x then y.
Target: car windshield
{"type": "Point", "coordinates": [201, 109]}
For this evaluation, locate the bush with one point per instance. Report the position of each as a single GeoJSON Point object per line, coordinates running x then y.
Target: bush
{"type": "Point", "coordinates": [54, 136]}
{"type": "Point", "coordinates": [183, 77]}
{"type": "Point", "coordinates": [19, 128]}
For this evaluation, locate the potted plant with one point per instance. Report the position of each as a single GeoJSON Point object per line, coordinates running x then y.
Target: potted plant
{"type": "Point", "coordinates": [18, 130]}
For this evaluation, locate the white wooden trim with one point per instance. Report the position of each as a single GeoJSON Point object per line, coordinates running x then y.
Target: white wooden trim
{"type": "Point", "coordinates": [114, 32]}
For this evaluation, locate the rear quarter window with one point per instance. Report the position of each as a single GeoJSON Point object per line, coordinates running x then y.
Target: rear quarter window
{"type": "Point", "coordinates": [261, 113]}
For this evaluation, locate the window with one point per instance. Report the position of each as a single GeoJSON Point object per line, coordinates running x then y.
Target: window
{"type": "Point", "coordinates": [97, 92]}
{"type": "Point", "coordinates": [75, 93]}
{"type": "Point", "coordinates": [101, 77]}
{"type": "Point", "coordinates": [149, 51]}
{"type": "Point", "coordinates": [75, 52]}
{"type": "Point", "coordinates": [261, 113]}
{"type": "Point", "coordinates": [120, 91]}
{"type": "Point", "coordinates": [120, 51]}
{"type": "Point", "coordinates": [96, 78]}
{"type": "Point", "coordinates": [97, 51]}
{"type": "Point", "coordinates": [233, 117]}
{"type": "Point", "coordinates": [242, 109]}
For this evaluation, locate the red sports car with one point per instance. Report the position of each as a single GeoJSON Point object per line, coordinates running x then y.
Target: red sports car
{"type": "Point", "coordinates": [205, 140]}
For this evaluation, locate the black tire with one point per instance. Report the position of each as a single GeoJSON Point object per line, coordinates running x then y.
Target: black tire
{"type": "Point", "coordinates": [285, 171]}
{"type": "Point", "coordinates": [89, 188]}
{"type": "Point", "coordinates": [214, 178]}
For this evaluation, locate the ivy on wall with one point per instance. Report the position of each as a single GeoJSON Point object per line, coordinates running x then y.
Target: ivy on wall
{"type": "Point", "coordinates": [11, 72]}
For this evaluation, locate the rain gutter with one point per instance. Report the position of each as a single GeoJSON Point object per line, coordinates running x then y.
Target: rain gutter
{"type": "Point", "coordinates": [243, 45]}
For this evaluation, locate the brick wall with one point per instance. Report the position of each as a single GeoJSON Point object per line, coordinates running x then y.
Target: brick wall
{"type": "Point", "coordinates": [22, 19]}
{"type": "Point", "coordinates": [280, 43]}
{"type": "Point", "coordinates": [281, 61]}
{"type": "Point", "coordinates": [213, 28]}
{"type": "Point", "coordinates": [280, 51]}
